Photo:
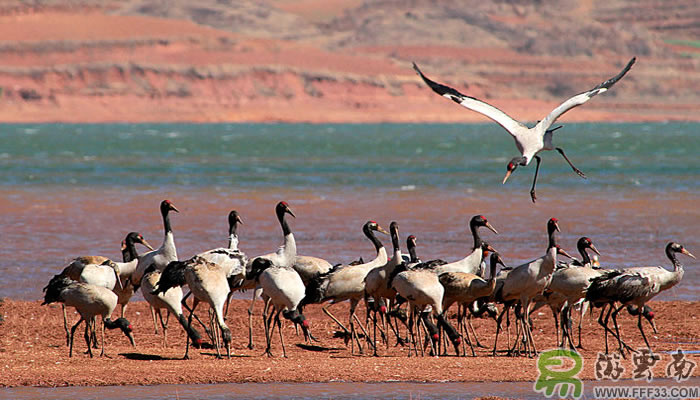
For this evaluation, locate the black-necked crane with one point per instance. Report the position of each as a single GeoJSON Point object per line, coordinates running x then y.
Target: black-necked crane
{"type": "Point", "coordinates": [209, 283]}
{"type": "Point", "coordinates": [346, 282]}
{"type": "Point", "coordinates": [90, 301]}
{"type": "Point", "coordinates": [568, 288]}
{"type": "Point", "coordinates": [166, 253]}
{"type": "Point", "coordinates": [525, 282]}
{"type": "Point", "coordinates": [75, 268]}
{"type": "Point", "coordinates": [171, 302]}
{"type": "Point", "coordinates": [281, 285]}
{"type": "Point", "coordinates": [465, 288]}
{"type": "Point", "coordinates": [411, 244]}
{"type": "Point", "coordinates": [424, 292]}
{"type": "Point", "coordinates": [127, 267]}
{"type": "Point", "coordinates": [529, 141]}
{"type": "Point", "coordinates": [636, 286]}
{"type": "Point", "coordinates": [231, 259]}
{"type": "Point", "coordinates": [472, 262]}
{"type": "Point", "coordinates": [377, 287]}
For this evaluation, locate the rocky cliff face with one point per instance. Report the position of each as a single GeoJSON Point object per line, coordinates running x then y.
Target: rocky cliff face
{"type": "Point", "coordinates": [342, 60]}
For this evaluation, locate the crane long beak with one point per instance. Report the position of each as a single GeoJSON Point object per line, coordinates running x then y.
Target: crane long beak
{"type": "Point", "coordinates": [145, 243]}
{"type": "Point", "coordinates": [556, 226]}
{"type": "Point", "coordinates": [653, 326]}
{"type": "Point", "coordinates": [488, 225]}
{"type": "Point", "coordinates": [238, 218]}
{"type": "Point", "coordinates": [131, 339]}
{"type": "Point", "coordinates": [592, 247]}
{"type": "Point", "coordinates": [173, 208]}
{"type": "Point", "coordinates": [507, 176]}
{"type": "Point", "coordinates": [563, 252]}
{"type": "Point", "coordinates": [382, 230]}
{"type": "Point", "coordinates": [687, 253]}
{"type": "Point", "coordinates": [289, 210]}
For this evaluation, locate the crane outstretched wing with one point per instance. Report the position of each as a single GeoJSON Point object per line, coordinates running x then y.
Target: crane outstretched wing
{"type": "Point", "coordinates": [473, 104]}
{"type": "Point", "coordinates": [584, 97]}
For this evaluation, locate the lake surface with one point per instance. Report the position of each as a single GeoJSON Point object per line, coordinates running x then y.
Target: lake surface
{"type": "Point", "coordinates": [69, 190]}
{"type": "Point", "coordinates": [332, 390]}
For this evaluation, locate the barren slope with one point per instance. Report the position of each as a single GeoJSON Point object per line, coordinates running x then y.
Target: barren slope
{"type": "Point", "coordinates": [342, 60]}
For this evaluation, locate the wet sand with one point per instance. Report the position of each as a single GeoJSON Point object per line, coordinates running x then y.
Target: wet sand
{"type": "Point", "coordinates": [33, 351]}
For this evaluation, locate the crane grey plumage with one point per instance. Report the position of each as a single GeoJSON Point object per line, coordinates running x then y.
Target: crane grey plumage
{"type": "Point", "coordinates": [526, 281]}
{"type": "Point", "coordinates": [231, 259]}
{"type": "Point", "coordinates": [472, 262]}
{"type": "Point", "coordinates": [90, 301]}
{"type": "Point", "coordinates": [346, 282]}
{"type": "Point", "coordinates": [636, 286]}
{"type": "Point", "coordinates": [279, 282]}
{"type": "Point", "coordinates": [568, 287]}
{"type": "Point", "coordinates": [529, 141]}
{"type": "Point", "coordinates": [209, 283]}
{"type": "Point", "coordinates": [166, 253]}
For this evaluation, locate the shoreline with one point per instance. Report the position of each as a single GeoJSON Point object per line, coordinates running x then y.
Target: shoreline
{"type": "Point", "coordinates": [33, 351]}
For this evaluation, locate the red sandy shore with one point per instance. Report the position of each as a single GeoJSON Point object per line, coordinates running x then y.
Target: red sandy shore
{"type": "Point", "coordinates": [33, 351]}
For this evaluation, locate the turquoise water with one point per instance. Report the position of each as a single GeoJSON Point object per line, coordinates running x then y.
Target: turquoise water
{"type": "Point", "coordinates": [660, 156]}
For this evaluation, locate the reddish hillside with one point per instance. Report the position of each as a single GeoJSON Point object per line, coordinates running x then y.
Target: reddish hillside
{"type": "Point", "coordinates": [342, 60]}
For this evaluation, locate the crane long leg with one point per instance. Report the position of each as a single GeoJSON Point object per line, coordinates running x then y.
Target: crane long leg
{"type": "Point", "coordinates": [206, 328]}
{"type": "Point", "coordinates": [327, 312]}
{"type": "Point", "coordinates": [256, 293]}
{"type": "Point", "coordinates": [72, 335]}
{"type": "Point", "coordinates": [65, 324]}
{"type": "Point", "coordinates": [641, 329]}
{"type": "Point", "coordinates": [620, 342]}
{"type": "Point", "coordinates": [584, 308]}
{"type": "Point", "coordinates": [153, 317]}
{"type": "Point", "coordinates": [102, 353]}
{"type": "Point", "coordinates": [533, 196]}
{"type": "Point", "coordinates": [189, 324]}
{"type": "Point", "coordinates": [578, 171]}
{"type": "Point", "coordinates": [279, 328]}
{"type": "Point", "coordinates": [498, 327]}
{"type": "Point", "coordinates": [87, 335]}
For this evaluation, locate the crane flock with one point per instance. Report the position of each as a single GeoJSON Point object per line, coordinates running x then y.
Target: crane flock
{"type": "Point", "coordinates": [385, 284]}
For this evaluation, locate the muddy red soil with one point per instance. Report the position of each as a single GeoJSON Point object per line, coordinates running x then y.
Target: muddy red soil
{"type": "Point", "coordinates": [33, 351]}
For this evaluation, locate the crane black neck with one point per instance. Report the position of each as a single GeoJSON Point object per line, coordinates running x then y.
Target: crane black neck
{"type": "Point", "coordinates": [552, 231]}
{"type": "Point", "coordinates": [165, 212]}
{"type": "Point", "coordinates": [474, 227]}
{"type": "Point", "coordinates": [232, 223]}
{"type": "Point", "coordinates": [412, 250]}
{"type": "Point", "coordinates": [130, 251]}
{"type": "Point", "coordinates": [585, 259]}
{"type": "Point", "coordinates": [282, 217]}
{"type": "Point", "coordinates": [394, 230]}
{"type": "Point", "coordinates": [494, 261]}
{"type": "Point", "coordinates": [372, 237]}
{"type": "Point", "coordinates": [671, 254]}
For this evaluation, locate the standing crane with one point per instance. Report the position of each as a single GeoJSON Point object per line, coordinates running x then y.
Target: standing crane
{"type": "Point", "coordinates": [525, 282]}
{"type": "Point", "coordinates": [346, 282]}
{"type": "Point", "coordinates": [90, 301]}
{"type": "Point", "coordinates": [636, 286]}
